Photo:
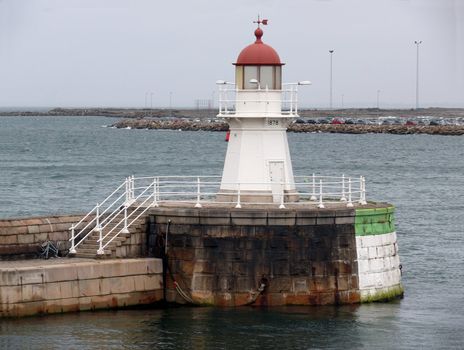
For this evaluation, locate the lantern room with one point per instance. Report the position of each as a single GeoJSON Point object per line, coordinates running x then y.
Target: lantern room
{"type": "Point", "coordinates": [258, 66]}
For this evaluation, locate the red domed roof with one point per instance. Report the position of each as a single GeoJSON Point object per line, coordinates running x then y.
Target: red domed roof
{"type": "Point", "coordinates": [258, 53]}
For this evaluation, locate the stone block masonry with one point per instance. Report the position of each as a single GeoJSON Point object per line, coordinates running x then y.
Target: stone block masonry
{"type": "Point", "coordinates": [34, 287]}
{"type": "Point", "coordinates": [21, 238]}
{"type": "Point", "coordinates": [303, 256]}
{"type": "Point", "coordinates": [222, 256]}
{"type": "Point", "coordinates": [377, 249]}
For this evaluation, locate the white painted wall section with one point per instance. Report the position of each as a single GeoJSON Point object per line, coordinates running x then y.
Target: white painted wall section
{"type": "Point", "coordinates": [378, 266]}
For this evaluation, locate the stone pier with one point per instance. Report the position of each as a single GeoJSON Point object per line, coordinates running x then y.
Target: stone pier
{"type": "Point", "coordinates": [219, 256]}
{"type": "Point", "coordinates": [32, 287]}
{"type": "Point", "coordinates": [294, 256]}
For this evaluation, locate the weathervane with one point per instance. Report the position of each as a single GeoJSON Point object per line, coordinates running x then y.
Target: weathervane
{"type": "Point", "coordinates": [261, 21]}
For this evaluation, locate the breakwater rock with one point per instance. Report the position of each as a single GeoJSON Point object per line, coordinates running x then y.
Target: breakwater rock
{"type": "Point", "coordinates": [380, 129]}
{"type": "Point", "coordinates": [177, 124]}
{"type": "Point", "coordinates": [190, 125]}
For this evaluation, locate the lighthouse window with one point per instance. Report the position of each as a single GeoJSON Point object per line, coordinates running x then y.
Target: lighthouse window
{"type": "Point", "coordinates": [278, 77]}
{"type": "Point", "coordinates": [239, 77]}
{"type": "Point", "coordinates": [267, 77]}
{"type": "Point", "coordinates": [251, 72]}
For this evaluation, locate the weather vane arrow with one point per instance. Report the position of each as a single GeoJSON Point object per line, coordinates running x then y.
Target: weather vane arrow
{"type": "Point", "coordinates": [261, 21]}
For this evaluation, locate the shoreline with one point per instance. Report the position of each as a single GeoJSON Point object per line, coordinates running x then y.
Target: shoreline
{"type": "Point", "coordinates": [363, 120]}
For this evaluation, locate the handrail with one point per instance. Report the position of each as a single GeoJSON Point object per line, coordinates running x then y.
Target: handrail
{"type": "Point", "coordinates": [126, 217]}
{"type": "Point", "coordinates": [95, 209]}
{"type": "Point", "coordinates": [142, 193]}
{"type": "Point", "coordinates": [288, 101]}
{"type": "Point", "coordinates": [142, 205]}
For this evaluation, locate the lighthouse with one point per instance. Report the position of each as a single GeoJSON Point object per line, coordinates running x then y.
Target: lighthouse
{"type": "Point", "coordinates": [258, 109]}
{"type": "Point", "coordinates": [265, 237]}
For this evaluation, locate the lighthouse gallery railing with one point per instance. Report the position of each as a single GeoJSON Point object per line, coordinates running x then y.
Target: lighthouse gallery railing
{"type": "Point", "coordinates": [136, 195]}
{"type": "Point", "coordinates": [289, 99]}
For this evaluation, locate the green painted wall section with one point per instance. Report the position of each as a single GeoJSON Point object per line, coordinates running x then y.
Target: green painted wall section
{"type": "Point", "coordinates": [375, 221]}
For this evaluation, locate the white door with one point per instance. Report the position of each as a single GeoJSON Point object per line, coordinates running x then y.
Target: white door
{"type": "Point", "coordinates": [277, 179]}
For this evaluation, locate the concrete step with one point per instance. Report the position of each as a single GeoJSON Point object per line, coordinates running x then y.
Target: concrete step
{"type": "Point", "coordinates": [95, 246]}
{"type": "Point", "coordinates": [132, 228]}
{"type": "Point", "coordinates": [117, 241]}
{"type": "Point", "coordinates": [119, 237]}
{"type": "Point", "coordinates": [89, 247]}
{"type": "Point", "coordinates": [108, 229]}
{"type": "Point", "coordinates": [92, 256]}
{"type": "Point", "coordinates": [92, 241]}
{"type": "Point", "coordinates": [91, 251]}
{"type": "Point", "coordinates": [112, 234]}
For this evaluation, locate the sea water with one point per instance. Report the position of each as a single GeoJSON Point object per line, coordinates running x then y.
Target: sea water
{"type": "Point", "coordinates": [63, 165]}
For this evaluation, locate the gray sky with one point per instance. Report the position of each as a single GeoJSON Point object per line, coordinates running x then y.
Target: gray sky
{"type": "Point", "coordinates": [111, 52]}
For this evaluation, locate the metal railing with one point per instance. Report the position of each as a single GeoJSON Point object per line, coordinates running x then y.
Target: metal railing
{"type": "Point", "coordinates": [130, 200]}
{"type": "Point", "coordinates": [228, 100]}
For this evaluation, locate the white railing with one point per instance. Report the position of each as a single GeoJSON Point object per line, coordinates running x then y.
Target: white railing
{"type": "Point", "coordinates": [130, 200]}
{"type": "Point", "coordinates": [111, 213]}
{"type": "Point", "coordinates": [201, 190]}
{"type": "Point", "coordinates": [228, 100]}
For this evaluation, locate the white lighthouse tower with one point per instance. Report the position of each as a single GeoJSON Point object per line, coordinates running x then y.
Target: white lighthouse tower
{"type": "Point", "coordinates": [258, 111]}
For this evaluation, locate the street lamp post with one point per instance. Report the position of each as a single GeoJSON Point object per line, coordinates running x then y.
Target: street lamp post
{"type": "Point", "coordinates": [378, 99]}
{"type": "Point", "coordinates": [170, 102]}
{"type": "Point", "coordinates": [417, 42]}
{"type": "Point", "coordinates": [151, 99]}
{"type": "Point", "coordinates": [331, 78]}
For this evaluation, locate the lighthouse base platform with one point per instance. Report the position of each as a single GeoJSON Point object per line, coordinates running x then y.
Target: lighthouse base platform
{"type": "Point", "coordinates": [259, 255]}
{"type": "Point", "coordinates": [246, 196]}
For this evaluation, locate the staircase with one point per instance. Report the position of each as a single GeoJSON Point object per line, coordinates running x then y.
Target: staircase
{"type": "Point", "coordinates": [121, 246]}
{"type": "Point", "coordinates": [115, 228]}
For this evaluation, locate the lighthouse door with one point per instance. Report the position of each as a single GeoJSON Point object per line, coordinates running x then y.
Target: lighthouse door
{"type": "Point", "coordinates": [277, 179]}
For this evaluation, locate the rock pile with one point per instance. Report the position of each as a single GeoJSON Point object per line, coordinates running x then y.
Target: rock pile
{"type": "Point", "coordinates": [190, 125]}
{"type": "Point", "coordinates": [380, 129]}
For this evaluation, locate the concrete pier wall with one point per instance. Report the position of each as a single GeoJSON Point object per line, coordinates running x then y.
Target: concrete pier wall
{"type": "Point", "coordinates": [34, 287]}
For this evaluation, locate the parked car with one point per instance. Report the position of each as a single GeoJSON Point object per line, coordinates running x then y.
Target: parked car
{"type": "Point", "coordinates": [435, 122]}
{"type": "Point", "coordinates": [337, 121]}
{"type": "Point", "coordinates": [311, 121]}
